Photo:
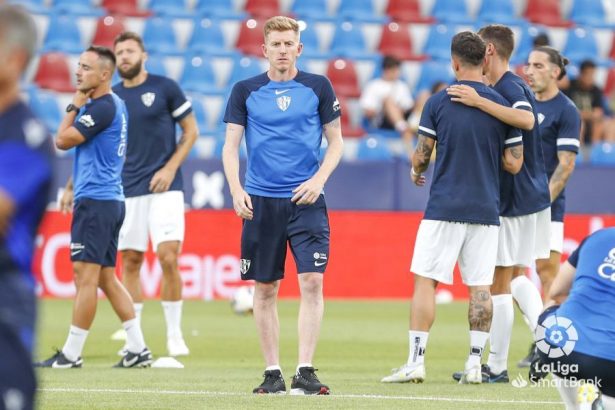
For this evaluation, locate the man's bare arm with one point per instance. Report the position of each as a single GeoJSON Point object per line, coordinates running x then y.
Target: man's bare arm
{"type": "Point", "coordinates": [562, 173]}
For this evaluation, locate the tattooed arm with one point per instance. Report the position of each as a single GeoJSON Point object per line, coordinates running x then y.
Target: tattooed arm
{"type": "Point", "coordinates": [562, 173]}
{"type": "Point", "coordinates": [512, 160]}
{"type": "Point", "coordinates": [308, 192]}
{"type": "Point", "coordinates": [421, 158]}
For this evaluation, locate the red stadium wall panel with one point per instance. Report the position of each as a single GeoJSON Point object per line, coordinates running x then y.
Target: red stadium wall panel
{"type": "Point", "coordinates": [370, 255]}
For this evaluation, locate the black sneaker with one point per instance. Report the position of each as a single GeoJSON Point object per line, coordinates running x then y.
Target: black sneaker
{"type": "Point", "coordinates": [531, 356]}
{"type": "Point", "coordinates": [488, 376]}
{"type": "Point", "coordinates": [537, 370]}
{"type": "Point", "coordinates": [306, 382]}
{"type": "Point", "coordinates": [59, 361]}
{"type": "Point", "coordinates": [273, 383]}
{"type": "Point", "coordinates": [143, 359]}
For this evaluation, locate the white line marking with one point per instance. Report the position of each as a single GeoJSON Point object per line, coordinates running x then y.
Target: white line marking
{"type": "Point", "coordinates": [343, 396]}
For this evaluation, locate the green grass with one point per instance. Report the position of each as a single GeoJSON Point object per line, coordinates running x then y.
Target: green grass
{"type": "Point", "coordinates": [360, 342]}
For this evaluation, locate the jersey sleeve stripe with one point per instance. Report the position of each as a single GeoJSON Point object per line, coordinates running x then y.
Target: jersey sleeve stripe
{"type": "Point", "coordinates": [513, 140]}
{"type": "Point", "coordinates": [181, 109]}
{"type": "Point", "coordinates": [568, 141]}
{"type": "Point", "coordinates": [522, 104]}
{"type": "Point", "coordinates": [427, 130]}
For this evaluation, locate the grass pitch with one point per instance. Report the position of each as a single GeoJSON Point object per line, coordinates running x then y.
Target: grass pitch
{"type": "Point", "coordinates": [360, 342]}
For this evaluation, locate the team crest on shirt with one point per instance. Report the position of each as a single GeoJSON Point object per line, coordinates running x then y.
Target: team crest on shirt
{"type": "Point", "coordinates": [148, 99]}
{"type": "Point", "coordinates": [283, 102]}
{"type": "Point", "coordinates": [541, 118]}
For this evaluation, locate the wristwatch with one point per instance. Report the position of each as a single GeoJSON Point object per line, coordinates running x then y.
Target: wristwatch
{"type": "Point", "coordinates": [72, 107]}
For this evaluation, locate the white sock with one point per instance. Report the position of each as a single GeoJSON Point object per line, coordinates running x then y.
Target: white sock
{"type": "Point", "coordinates": [566, 392]}
{"type": "Point", "coordinates": [274, 367]}
{"type": "Point", "coordinates": [501, 330]}
{"type": "Point", "coordinates": [528, 298]}
{"type": "Point", "coordinates": [300, 365]}
{"type": "Point", "coordinates": [138, 309]}
{"type": "Point", "coordinates": [134, 337]}
{"type": "Point", "coordinates": [74, 343]}
{"type": "Point", "coordinates": [418, 343]}
{"type": "Point", "coordinates": [173, 316]}
{"type": "Point", "coordinates": [478, 340]}
{"type": "Point", "coordinates": [608, 402]}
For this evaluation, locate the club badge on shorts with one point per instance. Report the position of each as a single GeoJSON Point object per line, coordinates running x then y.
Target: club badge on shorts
{"type": "Point", "coordinates": [148, 99]}
{"type": "Point", "coordinates": [283, 102]}
{"type": "Point", "coordinates": [244, 266]}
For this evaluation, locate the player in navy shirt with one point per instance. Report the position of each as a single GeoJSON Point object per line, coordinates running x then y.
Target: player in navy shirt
{"type": "Point", "coordinates": [283, 113]}
{"type": "Point", "coordinates": [25, 177]}
{"type": "Point", "coordinates": [525, 213]}
{"type": "Point", "coordinates": [96, 124]}
{"type": "Point", "coordinates": [462, 216]}
{"type": "Point", "coordinates": [152, 179]}
{"type": "Point", "coordinates": [582, 328]}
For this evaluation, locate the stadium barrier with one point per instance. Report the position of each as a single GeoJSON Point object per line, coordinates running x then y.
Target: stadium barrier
{"type": "Point", "coordinates": [369, 258]}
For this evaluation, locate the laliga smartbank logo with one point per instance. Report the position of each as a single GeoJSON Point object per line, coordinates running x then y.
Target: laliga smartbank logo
{"type": "Point", "coordinates": [556, 336]}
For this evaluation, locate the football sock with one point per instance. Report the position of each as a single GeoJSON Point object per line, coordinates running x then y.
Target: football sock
{"type": "Point", "coordinates": [566, 392]}
{"type": "Point", "coordinates": [273, 367]}
{"type": "Point", "coordinates": [501, 330]}
{"type": "Point", "coordinates": [138, 309]}
{"type": "Point", "coordinates": [477, 346]}
{"type": "Point", "coordinates": [528, 298]}
{"type": "Point", "coordinates": [173, 315]}
{"type": "Point", "coordinates": [134, 337]}
{"type": "Point", "coordinates": [74, 343]}
{"type": "Point", "coordinates": [418, 343]}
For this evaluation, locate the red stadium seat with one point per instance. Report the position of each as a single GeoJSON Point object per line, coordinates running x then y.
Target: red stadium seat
{"type": "Point", "coordinates": [348, 129]}
{"type": "Point", "coordinates": [408, 11]}
{"type": "Point", "coordinates": [262, 8]}
{"type": "Point", "coordinates": [546, 12]}
{"type": "Point", "coordinates": [107, 28]}
{"type": "Point", "coordinates": [612, 53]}
{"type": "Point", "coordinates": [395, 41]}
{"type": "Point", "coordinates": [53, 73]}
{"type": "Point", "coordinates": [609, 86]}
{"type": "Point", "coordinates": [125, 8]}
{"type": "Point", "coordinates": [343, 76]}
{"type": "Point", "coordinates": [520, 71]}
{"type": "Point", "coordinates": [250, 37]}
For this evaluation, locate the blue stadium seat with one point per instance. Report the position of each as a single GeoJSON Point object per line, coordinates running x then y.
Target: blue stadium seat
{"type": "Point", "coordinates": [451, 11]}
{"type": "Point", "coordinates": [431, 72]}
{"type": "Point", "coordinates": [244, 67]}
{"type": "Point", "coordinates": [77, 7]}
{"type": "Point", "coordinates": [525, 44]}
{"type": "Point", "coordinates": [359, 10]}
{"type": "Point", "coordinates": [311, 42]}
{"type": "Point", "coordinates": [45, 106]}
{"type": "Point", "coordinates": [159, 37]}
{"type": "Point", "coordinates": [207, 37]}
{"type": "Point", "coordinates": [171, 8]}
{"type": "Point", "coordinates": [224, 9]}
{"type": "Point", "coordinates": [198, 75]}
{"type": "Point", "coordinates": [199, 113]}
{"type": "Point", "coordinates": [581, 45]}
{"type": "Point", "coordinates": [603, 154]}
{"type": "Point", "coordinates": [500, 11]}
{"type": "Point", "coordinates": [589, 13]}
{"type": "Point", "coordinates": [373, 148]}
{"type": "Point", "coordinates": [438, 44]}
{"type": "Point", "coordinates": [63, 35]}
{"type": "Point", "coordinates": [348, 42]}
{"type": "Point", "coordinates": [155, 65]}
{"type": "Point", "coordinates": [311, 9]}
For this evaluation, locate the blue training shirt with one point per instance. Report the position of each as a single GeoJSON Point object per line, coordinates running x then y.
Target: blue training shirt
{"type": "Point", "coordinates": [560, 128]}
{"type": "Point", "coordinates": [469, 149]}
{"type": "Point", "coordinates": [98, 161]}
{"type": "Point", "coordinates": [25, 177]}
{"type": "Point", "coordinates": [283, 128]}
{"type": "Point", "coordinates": [590, 305]}
{"type": "Point", "coordinates": [528, 191]}
{"type": "Point", "coordinates": [154, 108]}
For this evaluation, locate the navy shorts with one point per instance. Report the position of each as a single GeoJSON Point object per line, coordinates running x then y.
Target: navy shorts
{"type": "Point", "coordinates": [94, 231]}
{"type": "Point", "coordinates": [276, 222]}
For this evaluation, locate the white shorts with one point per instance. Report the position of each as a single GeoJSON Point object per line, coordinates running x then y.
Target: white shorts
{"type": "Point", "coordinates": [522, 239]}
{"type": "Point", "coordinates": [557, 236]}
{"type": "Point", "coordinates": [440, 244]}
{"type": "Point", "coordinates": [159, 216]}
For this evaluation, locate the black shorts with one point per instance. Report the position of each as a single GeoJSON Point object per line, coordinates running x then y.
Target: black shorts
{"type": "Point", "coordinates": [94, 231]}
{"type": "Point", "coordinates": [276, 222]}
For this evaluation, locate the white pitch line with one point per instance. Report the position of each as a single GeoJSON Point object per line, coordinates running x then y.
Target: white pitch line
{"type": "Point", "coordinates": [344, 396]}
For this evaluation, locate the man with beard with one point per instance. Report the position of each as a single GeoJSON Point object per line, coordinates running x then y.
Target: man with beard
{"type": "Point", "coordinates": [152, 179]}
{"type": "Point", "coordinates": [95, 123]}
